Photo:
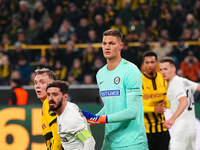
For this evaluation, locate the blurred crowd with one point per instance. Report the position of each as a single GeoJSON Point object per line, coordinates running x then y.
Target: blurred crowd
{"type": "Point", "coordinates": [69, 22]}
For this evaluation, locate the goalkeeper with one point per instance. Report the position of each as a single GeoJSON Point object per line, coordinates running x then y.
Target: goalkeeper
{"type": "Point", "coordinates": [120, 86]}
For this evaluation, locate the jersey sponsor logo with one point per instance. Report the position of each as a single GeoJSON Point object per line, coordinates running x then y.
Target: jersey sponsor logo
{"type": "Point", "coordinates": [117, 80]}
{"type": "Point", "coordinates": [148, 96]}
{"type": "Point", "coordinates": [108, 93]}
{"type": "Point", "coordinates": [133, 90]}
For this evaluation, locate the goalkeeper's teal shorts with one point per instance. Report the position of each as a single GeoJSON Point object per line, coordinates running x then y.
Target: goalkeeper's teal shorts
{"type": "Point", "coordinates": [140, 146]}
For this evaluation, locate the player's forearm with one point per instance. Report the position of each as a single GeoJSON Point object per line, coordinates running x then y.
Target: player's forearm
{"type": "Point", "coordinates": [130, 113]}
{"type": "Point", "coordinates": [127, 114]}
{"type": "Point", "coordinates": [167, 105]}
{"type": "Point", "coordinates": [87, 139]}
{"type": "Point", "coordinates": [181, 107]}
{"type": "Point", "coordinates": [89, 144]}
{"type": "Point", "coordinates": [134, 104]}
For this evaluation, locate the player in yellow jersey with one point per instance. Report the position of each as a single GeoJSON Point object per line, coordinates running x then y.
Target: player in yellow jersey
{"type": "Point", "coordinates": [43, 77]}
{"type": "Point", "coordinates": [154, 89]}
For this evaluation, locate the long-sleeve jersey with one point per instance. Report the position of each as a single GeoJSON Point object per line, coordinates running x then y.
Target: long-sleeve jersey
{"type": "Point", "coordinates": [121, 93]}
{"type": "Point", "coordinates": [49, 128]}
{"type": "Point", "coordinates": [154, 91]}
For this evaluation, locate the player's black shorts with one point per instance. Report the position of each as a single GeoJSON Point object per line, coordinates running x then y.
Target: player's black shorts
{"type": "Point", "coordinates": [158, 141]}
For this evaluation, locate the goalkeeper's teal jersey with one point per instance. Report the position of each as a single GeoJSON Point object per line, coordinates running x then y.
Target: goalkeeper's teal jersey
{"type": "Point", "coordinates": [116, 87]}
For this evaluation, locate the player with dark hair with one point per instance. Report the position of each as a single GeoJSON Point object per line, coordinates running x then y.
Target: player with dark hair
{"type": "Point", "coordinates": [154, 89]}
{"type": "Point", "coordinates": [43, 77]}
{"type": "Point", "coordinates": [180, 93]}
{"type": "Point", "coordinates": [72, 125]}
{"type": "Point", "coordinates": [120, 87]}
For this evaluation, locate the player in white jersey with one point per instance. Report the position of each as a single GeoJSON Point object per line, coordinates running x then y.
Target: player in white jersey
{"type": "Point", "coordinates": [180, 95]}
{"type": "Point", "coordinates": [72, 126]}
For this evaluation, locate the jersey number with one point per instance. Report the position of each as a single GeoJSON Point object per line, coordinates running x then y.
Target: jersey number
{"type": "Point", "coordinates": [190, 101]}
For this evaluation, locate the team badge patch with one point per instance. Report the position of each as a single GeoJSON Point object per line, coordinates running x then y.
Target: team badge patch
{"type": "Point", "coordinates": [116, 80]}
{"type": "Point", "coordinates": [59, 127]}
{"type": "Point", "coordinates": [52, 113]}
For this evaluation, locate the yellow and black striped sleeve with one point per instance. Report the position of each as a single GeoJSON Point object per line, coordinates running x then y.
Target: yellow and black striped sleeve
{"type": "Point", "coordinates": [154, 91]}
{"type": "Point", "coordinates": [50, 128]}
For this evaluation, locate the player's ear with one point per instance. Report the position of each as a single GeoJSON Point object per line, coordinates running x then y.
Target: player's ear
{"type": "Point", "coordinates": [157, 63]}
{"type": "Point", "coordinates": [66, 96]}
{"type": "Point", "coordinates": [122, 45]}
{"type": "Point", "coordinates": [174, 69]}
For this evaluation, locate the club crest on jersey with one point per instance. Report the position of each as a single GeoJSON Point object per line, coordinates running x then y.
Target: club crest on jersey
{"type": "Point", "coordinates": [116, 80]}
{"type": "Point", "coordinates": [52, 113]}
{"type": "Point", "coordinates": [59, 127]}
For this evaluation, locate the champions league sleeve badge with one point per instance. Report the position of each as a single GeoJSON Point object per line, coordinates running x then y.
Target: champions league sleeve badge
{"type": "Point", "coordinates": [116, 80]}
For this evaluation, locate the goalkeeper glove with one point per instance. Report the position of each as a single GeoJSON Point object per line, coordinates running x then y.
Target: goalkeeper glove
{"type": "Point", "coordinates": [91, 118]}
